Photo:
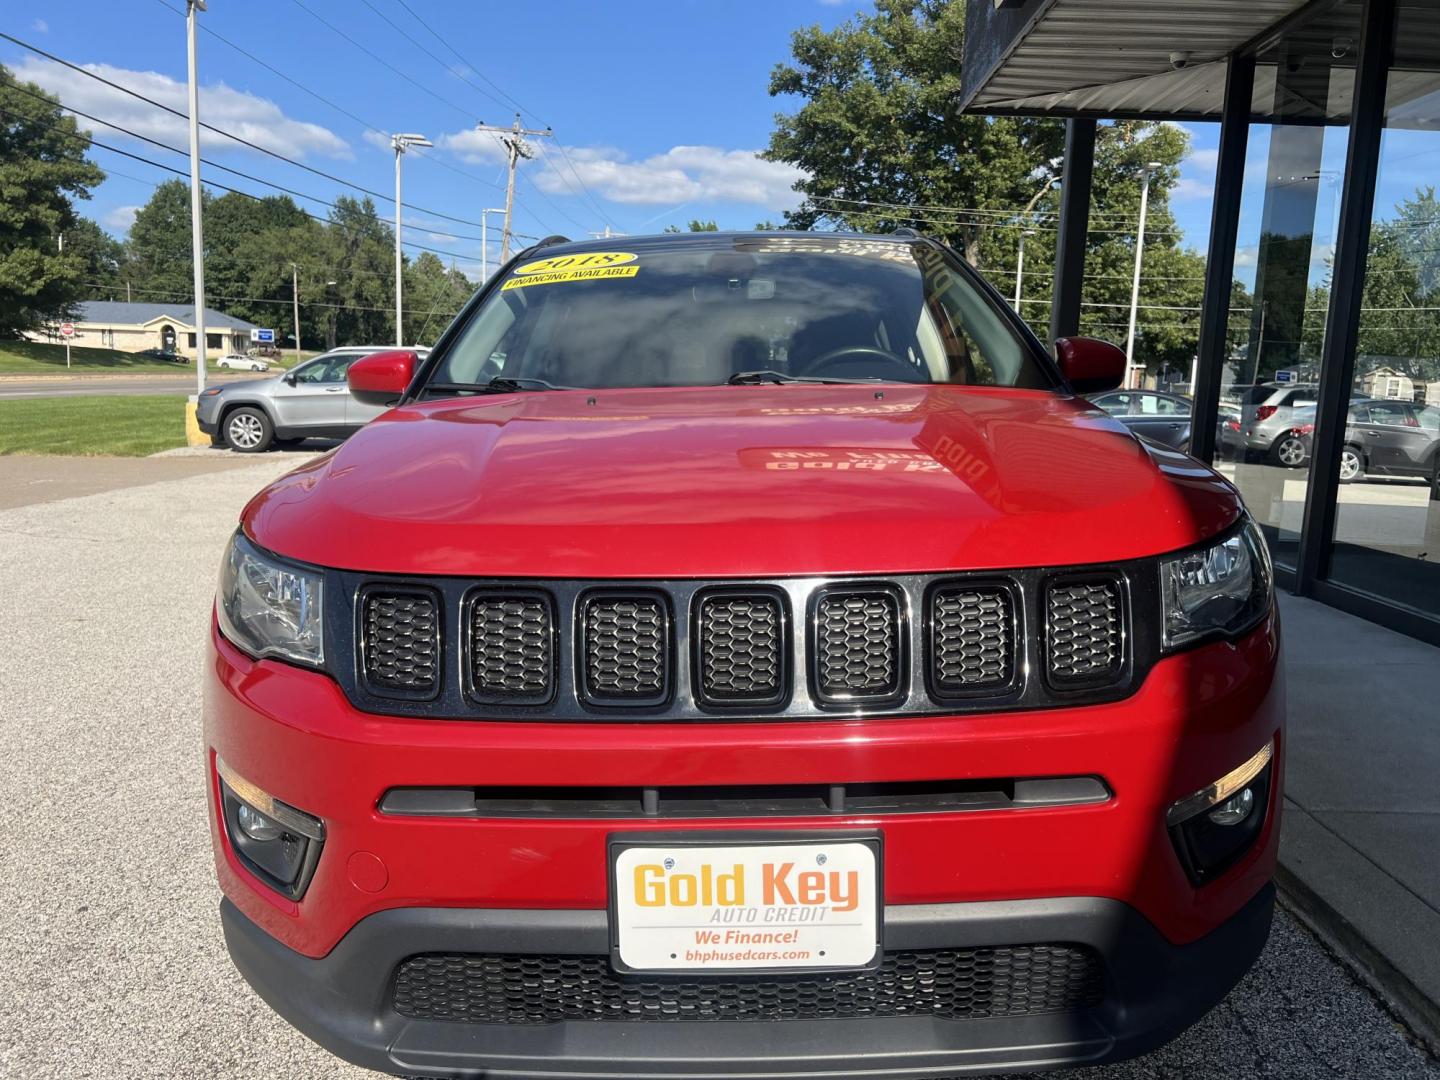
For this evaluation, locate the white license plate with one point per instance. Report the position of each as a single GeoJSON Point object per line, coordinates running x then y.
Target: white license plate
{"type": "Point", "coordinates": [699, 906]}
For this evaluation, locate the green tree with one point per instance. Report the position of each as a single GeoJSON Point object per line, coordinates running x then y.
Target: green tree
{"type": "Point", "coordinates": [878, 125]}
{"type": "Point", "coordinates": [101, 256]}
{"type": "Point", "coordinates": [42, 169]}
{"type": "Point", "coordinates": [158, 262]}
{"type": "Point", "coordinates": [433, 295]}
{"type": "Point", "coordinates": [695, 225]}
{"type": "Point", "coordinates": [360, 248]}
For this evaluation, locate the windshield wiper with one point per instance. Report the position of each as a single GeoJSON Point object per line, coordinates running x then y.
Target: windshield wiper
{"type": "Point", "coordinates": [753, 378]}
{"type": "Point", "coordinates": [499, 385]}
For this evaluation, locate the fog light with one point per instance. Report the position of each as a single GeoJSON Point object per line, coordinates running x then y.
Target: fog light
{"type": "Point", "coordinates": [277, 843]}
{"type": "Point", "coordinates": [255, 824]}
{"type": "Point", "coordinates": [1234, 810]}
{"type": "Point", "coordinates": [1213, 828]}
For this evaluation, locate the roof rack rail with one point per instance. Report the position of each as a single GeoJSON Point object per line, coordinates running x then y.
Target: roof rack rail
{"type": "Point", "coordinates": [907, 232]}
{"type": "Point", "coordinates": [552, 239]}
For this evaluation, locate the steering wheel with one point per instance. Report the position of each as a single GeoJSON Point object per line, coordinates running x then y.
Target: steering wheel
{"type": "Point", "coordinates": [856, 355]}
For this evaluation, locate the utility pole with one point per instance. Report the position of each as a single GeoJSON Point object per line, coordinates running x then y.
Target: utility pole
{"type": "Point", "coordinates": [513, 139]}
{"type": "Point", "coordinates": [1131, 380]}
{"type": "Point", "coordinates": [485, 241]}
{"type": "Point", "coordinates": [197, 229]}
{"type": "Point", "coordinates": [401, 143]}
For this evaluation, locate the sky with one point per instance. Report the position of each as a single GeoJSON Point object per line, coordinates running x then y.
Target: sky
{"type": "Point", "coordinates": [657, 108]}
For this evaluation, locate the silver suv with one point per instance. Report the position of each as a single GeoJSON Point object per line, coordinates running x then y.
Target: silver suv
{"type": "Point", "coordinates": [311, 401]}
{"type": "Point", "coordinates": [1267, 411]}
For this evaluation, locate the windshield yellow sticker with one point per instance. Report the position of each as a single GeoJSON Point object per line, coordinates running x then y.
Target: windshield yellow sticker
{"type": "Point", "coordinates": [586, 266]}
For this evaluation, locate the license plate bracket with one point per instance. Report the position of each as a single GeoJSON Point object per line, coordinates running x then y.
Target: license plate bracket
{"type": "Point", "coordinates": [745, 903]}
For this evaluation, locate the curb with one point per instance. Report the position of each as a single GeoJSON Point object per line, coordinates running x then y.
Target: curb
{"type": "Point", "coordinates": [1410, 1004]}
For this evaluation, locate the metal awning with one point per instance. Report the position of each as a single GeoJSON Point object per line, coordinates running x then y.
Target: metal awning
{"type": "Point", "coordinates": [1117, 58]}
{"type": "Point", "coordinates": [1109, 57]}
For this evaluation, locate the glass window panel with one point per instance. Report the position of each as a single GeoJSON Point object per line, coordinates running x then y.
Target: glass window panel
{"type": "Point", "coordinates": [1387, 531]}
{"type": "Point", "coordinates": [1289, 208]}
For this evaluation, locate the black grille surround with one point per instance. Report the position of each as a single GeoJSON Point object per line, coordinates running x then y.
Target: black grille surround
{"type": "Point", "coordinates": [946, 984]}
{"type": "Point", "coordinates": [932, 650]}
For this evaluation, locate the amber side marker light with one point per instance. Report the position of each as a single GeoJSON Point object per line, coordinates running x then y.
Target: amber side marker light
{"type": "Point", "coordinates": [1214, 827]}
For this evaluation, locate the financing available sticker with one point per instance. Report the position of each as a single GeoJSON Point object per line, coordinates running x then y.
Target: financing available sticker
{"type": "Point", "coordinates": [586, 266]}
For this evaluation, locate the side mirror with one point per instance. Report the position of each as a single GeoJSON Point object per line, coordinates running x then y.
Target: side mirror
{"type": "Point", "coordinates": [1090, 365]}
{"type": "Point", "coordinates": [380, 378]}
{"type": "Point", "coordinates": [289, 379]}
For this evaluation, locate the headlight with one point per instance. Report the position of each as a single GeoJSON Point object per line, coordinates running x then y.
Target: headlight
{"type": "Point", "coordinates": [1222, 588]}
{"type": "Point", "coordinates": [269, 608]}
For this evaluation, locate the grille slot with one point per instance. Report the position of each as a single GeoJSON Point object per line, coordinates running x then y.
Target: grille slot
{"type": "Point", "coordinates": [972, 639]}
{"type": "Point", "coordinates": [858, 654]}
{"type": "Point", "coordinates": [510, 647]}
{"type": "Point", "coordinates": [626, 648]}
{"type": "Point", "coordinates": [400, 641]}
{"type": "Point", "coordinates": [740, 648]}
{"type": "Point", "coordinates": [947, 984]}
{"type": "Point", "coordinates": [1084, 638]}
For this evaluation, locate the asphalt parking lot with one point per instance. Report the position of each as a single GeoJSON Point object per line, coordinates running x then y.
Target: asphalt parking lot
{"type": "Point", "coordinates": [109, 942]}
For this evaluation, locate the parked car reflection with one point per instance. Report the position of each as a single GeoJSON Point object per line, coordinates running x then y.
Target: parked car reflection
{"type": "Point", "coordinates": [1382, 438]}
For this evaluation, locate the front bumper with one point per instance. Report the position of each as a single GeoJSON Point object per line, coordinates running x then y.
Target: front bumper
{"type": "Point", "coordinates": [389, 886]}
{"type": "Point", "coordinates": [1154, 990]}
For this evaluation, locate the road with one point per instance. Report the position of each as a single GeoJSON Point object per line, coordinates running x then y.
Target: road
{"type": "Point", "coordinates": [109, 939]}
{"type": "Point", "coordinates": [19, 386]}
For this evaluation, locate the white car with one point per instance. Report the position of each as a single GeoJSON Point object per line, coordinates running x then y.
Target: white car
{"type": "Point", "coordinates": [242, 362]}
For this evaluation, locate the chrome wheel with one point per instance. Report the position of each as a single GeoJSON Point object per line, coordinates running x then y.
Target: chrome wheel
{"type": "Point", "coordinates": [1291, 453]}
{"type": "Point", "coordinates": [1349, 464]}
{"type": "Point", "coordinates": [244, 431]}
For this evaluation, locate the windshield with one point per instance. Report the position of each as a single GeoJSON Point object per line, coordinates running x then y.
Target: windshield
{"type": "Point", "coordinates": [747, 310]}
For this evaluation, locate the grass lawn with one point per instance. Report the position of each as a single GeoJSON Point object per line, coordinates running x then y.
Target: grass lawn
{"type": "Point", "coordinates": [119, 424]}
{"type": "Point", "coordinates": [35, 358]}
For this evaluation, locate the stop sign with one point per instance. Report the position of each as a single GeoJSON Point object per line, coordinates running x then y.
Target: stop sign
{"type": "Point", "coordinates": [67, 329]}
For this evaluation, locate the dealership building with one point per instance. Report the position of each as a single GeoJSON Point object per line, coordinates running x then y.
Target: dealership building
{"type": "Point", "coordinates": [134, 328]}
{"type": "Point", "coordinates": [1321, 104]}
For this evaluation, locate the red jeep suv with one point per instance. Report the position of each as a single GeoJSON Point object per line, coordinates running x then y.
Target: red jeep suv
{"type": "Point", "coordinates": [743, 656]}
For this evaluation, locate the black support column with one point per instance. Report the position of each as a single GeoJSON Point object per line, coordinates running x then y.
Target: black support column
{"type": "Point", "coordinates": [1074, 227]}
{"type": "Point", "coordinates": [1220, 255]}
{"type": "Point", "coordinates": [1342, 321]}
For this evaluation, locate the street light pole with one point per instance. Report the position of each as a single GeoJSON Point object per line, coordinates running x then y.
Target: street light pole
{"type": "Point", "coordinates": [485, 241]}
{"type": "Point", "coordinates": [295, 291]}
{"type": "Point", "coordinates": [1020, 266]}
{"type": "Point", "coordinates": [1145, 173]}
{"type": "Point", "coordinates": [401, 143]}
{"type": "Point", "coordinates": [197, 233]}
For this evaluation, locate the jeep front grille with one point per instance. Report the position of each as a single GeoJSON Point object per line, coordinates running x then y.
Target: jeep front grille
{"type": "Point", "coordinates": [740, 648]}
{"type": "Point", "coordinates": [857, 645]}
{"type": "Point", "coordinates": [400, 641]}
{"type": "Point", "coordinates": [778, 648]}
{"type": "Point", "coordinates": [972, 638]}
{"type": "Point", "coordinates": [1084, 638]}
{"type": "Point", "coordinates": [510, 649]}
{"type": "Point", "coordinates": [626, 647]}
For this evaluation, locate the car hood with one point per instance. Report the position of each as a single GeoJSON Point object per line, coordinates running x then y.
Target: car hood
{"type": "Point", "coordinates": [743, 481]}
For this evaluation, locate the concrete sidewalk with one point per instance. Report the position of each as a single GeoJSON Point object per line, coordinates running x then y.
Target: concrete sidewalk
{"type": "Point", "coordinates": [1360, 850]}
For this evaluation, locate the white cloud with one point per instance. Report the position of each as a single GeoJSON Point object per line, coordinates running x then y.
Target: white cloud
{"type": "Point", "coordinates": [253, 118]}
{"type": "Point", "coordinates": [476, 147]}
{"type": "Point", "coordinates": [40, 26]}
{"type": "Point", "coordinates": [120, 219]}
{"type": "Point", "coordinates": [682, 174]}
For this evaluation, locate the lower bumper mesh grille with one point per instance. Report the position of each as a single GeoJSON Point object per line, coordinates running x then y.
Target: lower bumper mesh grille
{"type": "Point", "coordinates": [949, 984]}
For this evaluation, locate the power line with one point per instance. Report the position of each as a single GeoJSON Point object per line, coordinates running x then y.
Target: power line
{"type": "Point", "coordinates": [382, 61]}
{"type": "Point", "coordinates": [367, 125]}
{"type": "Point", "coordinates": [230, 135]}
{"type": "Point", "coordinates": [414, 15]}
{"type": "Point", "coordinates": [213, 183]}
{"type": "Point", "coordinates": [443, 65]}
